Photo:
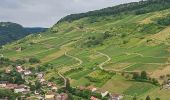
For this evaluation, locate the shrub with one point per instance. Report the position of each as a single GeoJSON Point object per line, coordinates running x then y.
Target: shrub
{"type": "Point", "coordinates": [34, 60]}
{"type": "Point", "coordinates": [7, 93]}
{"type": "Point", "coordinates": [164, 21]}
{"type": "Point", "coordinates": [144, 75]}
{"type": "Point", "coordinates": [136, 76]}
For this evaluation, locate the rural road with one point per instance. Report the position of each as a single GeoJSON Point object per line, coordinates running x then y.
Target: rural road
{"type": "Point", "coordinates": [141, 55]}
{"type": "Point", "coordinates": [65, 80]}
{"type": "Point", "coordinates": [75, 65]}
{"type": "Point", "coordinates": [103, 63]}
{"type": "Point", "coordinates": [79, 60]}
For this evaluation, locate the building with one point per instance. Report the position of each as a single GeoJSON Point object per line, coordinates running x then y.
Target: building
{"type": "Point", "coordinates": [50, 96]}
{"type": "Point", "coordinates": [19, 69]}
{"type": "Point", "coordinates": [27, 72]}
{"type": "Point", "coordinates": [22, 89]}
{"type": "Point", "coordinates": [42, 81]}
{"type": "Point", "coordinates": [62, 96]}
{"type": "Point", "coordinates": [93, 98]}
{"type": "Point", "coordinates": [52, 85]}
{"type": "Point", "coordinates": [7, 70]}
{"type": "Point", "coordinates": [114, 96]}
{"type": "Point", "coordinates": [103, 92]}
{"type": "Point", "coordinates": [92, 88]}
{"type": "Point", "coordinates": [40, 75]}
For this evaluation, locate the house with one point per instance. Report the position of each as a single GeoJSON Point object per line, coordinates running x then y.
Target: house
{"type": "Point", "coordinates": [52, 85]}
{"type": "Point", "coordinates": [93, 98]}
{"type": "Point", "coordinates": [114, 96]}
{"type": "Point", "coordinates": [54, 88]}
{"type": "Point", "coordinates": [36, 93]}
{"type": "Point", "coordinates": [92, 88]}
{"type": "Point", "coordinates": [50, 96]}
{"type": "Point", "coordinates": [40, 75]}
{"type": "Point", "coordinates": [19, 69]}
{"type": "Point", "coordinates": [42, 80]}
{"type": "Point", "coordinates": [103, 92]}
{"type": "Point", "coordinates": [22, 89]}
{"type": "Point", "coordinates": [27, 72]}
{"type": "Point", "coordinates": [62, 96]}
{"type": "Point", "coordinates": [3, 84]}
{"type": "Point", "coordinates": [7, 70]}
{"type": "Point", "coordinates": [39, 97]}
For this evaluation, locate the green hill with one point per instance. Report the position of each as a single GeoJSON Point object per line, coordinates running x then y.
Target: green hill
{"type": "Point", "coordinates": [90, 48]}
{"type": "Point", "coordinates": [11, 31]}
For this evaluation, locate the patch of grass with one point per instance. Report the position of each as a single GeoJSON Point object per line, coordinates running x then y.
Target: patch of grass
{"type": "Point", "coordinates": [141, 67]}
{"type": "Point", "coordinates": [79, 74]}
{"type": "Point", "coordinates": [138, 89]}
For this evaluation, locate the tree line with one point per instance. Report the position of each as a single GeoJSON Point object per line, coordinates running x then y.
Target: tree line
{"type": "Point", "coordinates": [137, 8]}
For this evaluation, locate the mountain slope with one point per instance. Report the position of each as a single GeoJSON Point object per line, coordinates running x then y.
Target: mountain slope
{"type": "Point", "coordinates": [88, 50]}
{"type": "Point", "coordinates": [11, 31]}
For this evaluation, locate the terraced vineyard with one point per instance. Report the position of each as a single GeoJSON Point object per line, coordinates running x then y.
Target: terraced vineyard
{"type": "Point", "coordinates": [78, 51]}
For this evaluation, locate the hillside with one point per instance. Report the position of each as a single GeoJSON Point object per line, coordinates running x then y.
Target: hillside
{"type": "Point", "coordinates": [126, 52]}
{"type": "Point", "coordinates": [142, 7]}
{"type": "Point", "coordinates": [11, 31]}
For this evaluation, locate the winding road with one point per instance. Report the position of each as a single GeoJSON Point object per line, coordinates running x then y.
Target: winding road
{"type": "Point", "coordinates": [103, 63]}
{"type": "Point", "coordinates": [64, 47]}
{"type": "Point", "coordinates": [79, 60]}
{"type": "Point", "coordinates": [65, 80]}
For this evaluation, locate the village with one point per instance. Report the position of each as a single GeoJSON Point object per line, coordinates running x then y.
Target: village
{"type": "Point", "coordinates": [45, 90]}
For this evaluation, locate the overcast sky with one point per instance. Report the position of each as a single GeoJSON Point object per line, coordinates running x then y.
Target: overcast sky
{"type": "Point", "coordinates": [45, 13]}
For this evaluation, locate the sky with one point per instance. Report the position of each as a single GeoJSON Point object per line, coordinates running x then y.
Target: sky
{"type": "Point", "coordinates": [45, 13]}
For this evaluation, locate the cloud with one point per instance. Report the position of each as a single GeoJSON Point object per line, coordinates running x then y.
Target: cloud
{"type": "Point", "coordinates": [45, 13]}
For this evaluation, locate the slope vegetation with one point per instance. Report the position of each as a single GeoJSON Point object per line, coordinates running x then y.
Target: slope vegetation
{"type": "Point", "coordinates": [88, 48]}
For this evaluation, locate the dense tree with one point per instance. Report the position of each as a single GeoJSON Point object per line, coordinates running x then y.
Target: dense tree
{"type": "Point", "coordinates": [154, 81]}
{"type": "Point", "coordinates": [20, 61]}
{"type": "Point", "coordinates": [135, 98]}
{"type": "Point", "coordinates": [5, 61]}
{"type": "Point", "coordinates": [148, 98]}
{"type": "Point", "coordinates": [141, 7]}
{"type": "Point", "coordinates": [136, 76]}
{"type": "Point", "coordinates": [68, 87]}
{"type": "Point", "coordinates": [164, 21]}
{"type": "Point", "coordinates": [12, 77]}
{"type": "Point", "coordinates": [37, 85]}
{"type": "Point", "coordinates": [157, 99]}
{"type": "Point", "coordinates": [144, 75]}
{"type": "Point", "coordinates": [10, 32]}
{"type": "Point", "coordinates": [7, 93]}
{"type": "Point", "coordinates": [34, 60]}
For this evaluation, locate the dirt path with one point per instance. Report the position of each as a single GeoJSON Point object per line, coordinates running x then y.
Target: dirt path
{"type": "Point", "coordinates": [108, 59]}
{"type": "Point", "coordinates": [75, 65]}
{"type": "Point", "coordinates": [79, 60]}
{"type": "Point", "coordinates": [141, 55]}
{"type": "Point", "coordinates": [134, 54]}
{"type": "Point", "coordinates": [65, 80]}
{"type": "Point", "coordinates": [103, 63]}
